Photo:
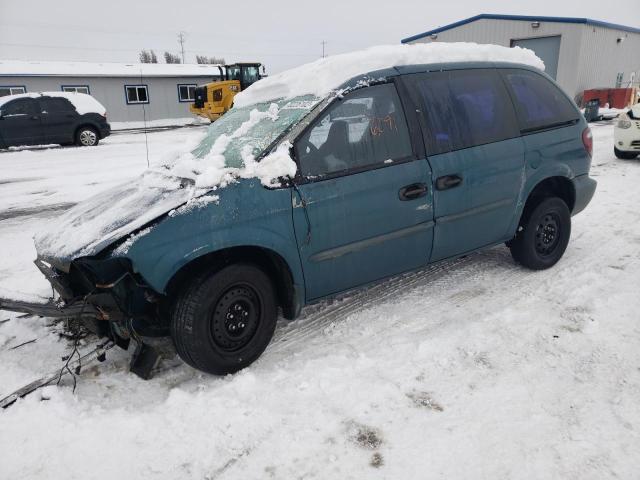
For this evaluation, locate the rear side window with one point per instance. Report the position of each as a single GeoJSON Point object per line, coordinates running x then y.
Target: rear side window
{"type": "Point", "coordinates": [463, 108]}
{"type": "Point", "coordinates": [55, 105]}
{"type": "Point", "coordinates": [539, 103]}
{"type": "Point", "coordinates": [365, 129]}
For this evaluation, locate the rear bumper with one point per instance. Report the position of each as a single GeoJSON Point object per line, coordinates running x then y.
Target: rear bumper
{"type": "Point", "coordinates": [105, 130]}
{"type": "Point", "coordinates": [585, 188]}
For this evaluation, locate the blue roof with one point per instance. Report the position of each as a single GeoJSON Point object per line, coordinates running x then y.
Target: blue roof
{"type": "Point", "coordinates": [526, 18]}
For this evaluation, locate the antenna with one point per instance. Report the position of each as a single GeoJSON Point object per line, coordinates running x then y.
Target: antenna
{"type": "Point", "coordinates": [181, 40]}
{"type": "Point", "coordinates": [323, 44]}
{"type": "Point", "coordinates": [144, 118]}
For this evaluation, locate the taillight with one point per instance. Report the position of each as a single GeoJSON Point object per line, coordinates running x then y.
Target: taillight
{"type": "Point", "coordinates": [587, 141]}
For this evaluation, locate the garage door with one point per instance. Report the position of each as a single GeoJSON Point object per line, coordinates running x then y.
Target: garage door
{"type": "Point", "coordinates": [547, 48]}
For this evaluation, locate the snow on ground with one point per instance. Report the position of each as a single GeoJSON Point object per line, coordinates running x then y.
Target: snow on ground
{"type": "Point", "coordinates": [474, 368]}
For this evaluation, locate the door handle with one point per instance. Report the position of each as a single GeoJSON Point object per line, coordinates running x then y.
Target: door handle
{"type": "Point", "coordinates": [448, 181]}
{"type": "Point", "coordinates": [413, 191]}
{"type": "Point", "coordinates": [35, 117]}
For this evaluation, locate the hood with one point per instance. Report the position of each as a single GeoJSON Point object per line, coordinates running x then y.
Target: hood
{"type": "Point", "coordinates": [98, 222]}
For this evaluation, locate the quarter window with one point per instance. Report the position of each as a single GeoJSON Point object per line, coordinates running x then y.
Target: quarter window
{"type": "Point", "coordinates": [365, 129]}
{"type": "Point", "coordinates": [136, 94]}
{"type": "Point", "coordinates": [76, 89]}
{"type": "Point", "coordinates": [463, 108]}
{"type": "Point", "coordinates": [539, 103]}
{"type": "Point", "coordinates": [4, 91]}
{"type": "Point", "coordinates": [186, 93]}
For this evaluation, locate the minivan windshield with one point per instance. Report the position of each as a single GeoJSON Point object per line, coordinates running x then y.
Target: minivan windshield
{"type": "Point", "coordinates": [251, 129]}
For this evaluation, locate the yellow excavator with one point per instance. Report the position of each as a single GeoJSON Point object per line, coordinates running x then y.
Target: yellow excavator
{"type": "Point", "coordinates": [214, 99]}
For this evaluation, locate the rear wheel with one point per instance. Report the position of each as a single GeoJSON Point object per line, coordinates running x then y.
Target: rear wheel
{"type": "Point", "coordinates": [224, 321]}
{"type": "Point", "coordinates": [543, 235]}
{"type": "Point", "coordinates": [624, 155]}
{"type": "Point", "coordinates": [87, 137]}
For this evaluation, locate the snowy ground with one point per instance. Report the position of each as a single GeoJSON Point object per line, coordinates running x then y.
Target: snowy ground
{"type": "Point", "coordinates": [475, 368]}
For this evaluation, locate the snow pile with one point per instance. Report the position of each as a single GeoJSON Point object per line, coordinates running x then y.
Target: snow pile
{"type": "Point", "coordinates": [82, 102]}
{"type": "Point", "coordinates": [327, 74]}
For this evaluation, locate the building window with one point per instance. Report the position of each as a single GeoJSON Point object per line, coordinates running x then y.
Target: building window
{"type": "Point", "coordinates": [186, 93]}
{"type": "Point", "coordinates": [136, 94]}
{"type": "Point", "coordinates": [8, 90]}
{"type": "Point", "coordinates": [76, 88]}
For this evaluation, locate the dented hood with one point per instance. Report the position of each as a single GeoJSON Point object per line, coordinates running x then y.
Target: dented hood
{"type": "Point", "coordinates": [98, 222]}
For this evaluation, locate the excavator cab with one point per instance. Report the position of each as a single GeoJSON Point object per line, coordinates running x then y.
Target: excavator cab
{"type": "Point", "coordinates": [214, 99]}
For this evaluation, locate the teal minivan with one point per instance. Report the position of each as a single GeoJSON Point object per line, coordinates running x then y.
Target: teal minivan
{"type": "Point", "coordinates": [394, 169]}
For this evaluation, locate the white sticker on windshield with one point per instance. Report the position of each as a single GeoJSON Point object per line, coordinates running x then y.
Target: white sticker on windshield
{"type": "Point", "coordinates": [299, 105]}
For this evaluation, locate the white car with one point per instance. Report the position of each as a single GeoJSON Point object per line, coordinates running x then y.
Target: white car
{"type": "Point", "coordinates": [626, 134]}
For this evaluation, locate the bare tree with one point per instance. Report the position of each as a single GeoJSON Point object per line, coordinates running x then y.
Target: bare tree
{"type": "Point", "coordinates": [171, 58]}
{"type": "Point", "coordinates": [148, 56]}
{"type": "Point", "coordinates": [202, 59]}
{"type": "Point", "coordinates": [144, 56]}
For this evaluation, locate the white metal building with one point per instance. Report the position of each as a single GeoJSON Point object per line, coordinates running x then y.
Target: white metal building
{"type": "Point", "coordinates": [579, 53]}
{"type": "Point", "coordinates": [130, 92]}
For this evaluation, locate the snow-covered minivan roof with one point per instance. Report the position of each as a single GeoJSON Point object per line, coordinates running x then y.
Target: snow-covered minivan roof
{"type": "Point", "coordinates": [323, 76]}
{"type": "Point", "coordinates": [82, 102]}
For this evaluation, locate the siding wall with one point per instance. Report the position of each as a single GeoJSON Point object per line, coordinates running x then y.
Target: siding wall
{"type": "Point", "coordinates": [589, 56]}
{"type": "Point", "coordinates": [163, 94]}
{"type": "Point", "coordinates": [602, 58]}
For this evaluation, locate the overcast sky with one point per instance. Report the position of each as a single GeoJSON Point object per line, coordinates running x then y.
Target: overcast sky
{"type": "Point", "coordinates": [278, 33]}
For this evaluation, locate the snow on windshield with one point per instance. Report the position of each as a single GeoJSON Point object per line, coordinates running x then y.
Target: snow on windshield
{"type": "Point", "coordinates": [321, 77]}
{"type": "Point", "coordinates": [227, 151]}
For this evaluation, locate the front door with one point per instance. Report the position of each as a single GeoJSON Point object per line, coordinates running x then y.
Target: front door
{"type": "Point", "coordinates": [20, 123]}
{"type": "Point", "coordinates": [362, 208]}
{"type": "Point", "coordinates": [59, 118]}
{"type": "Point", "coordinates": [476, 156]}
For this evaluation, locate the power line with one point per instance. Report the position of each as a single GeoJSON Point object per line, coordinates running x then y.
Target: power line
{"type": "Point", "coordinates": [137, 50]}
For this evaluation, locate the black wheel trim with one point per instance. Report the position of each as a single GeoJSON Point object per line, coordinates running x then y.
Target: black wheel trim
{"type": "Point", "coordinates": [235, 318]}
{"type": "Point", "coordinates": [548, 234]}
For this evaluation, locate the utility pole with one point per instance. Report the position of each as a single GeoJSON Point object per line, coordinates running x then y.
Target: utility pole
{"type": "Point", "coordinates": [181, 40]}
{"type": "Point", "coordinates": [323, 44]}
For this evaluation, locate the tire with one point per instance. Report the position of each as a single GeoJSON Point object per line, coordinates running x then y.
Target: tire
{"type": "Point", "coordinates": [223, 322]}
{"type": "Point", "coordinates": [624, 155]}
{"type": "Point", "coordinates": [87, 137]}
{"type": "Point", "coordinates": [543, 234]}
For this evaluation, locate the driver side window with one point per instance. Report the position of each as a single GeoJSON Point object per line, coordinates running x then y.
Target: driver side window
{"type": "Point", "coordinates": [365, 129]}
{"type": "Point", "coordinates": [23, 106]}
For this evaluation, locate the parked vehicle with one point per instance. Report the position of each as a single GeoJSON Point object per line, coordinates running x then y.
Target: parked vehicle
{"type": "Point", "coordinates": [214, 99]}
{"type": "Point", "coordinates": [452, 158]}
{"type": "Point", "coordinates": [52, 117]}
{"type": "Point", "coordinates": [626, 134]}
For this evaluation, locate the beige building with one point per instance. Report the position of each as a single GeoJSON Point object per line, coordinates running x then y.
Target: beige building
{"type": "Point", "coordinates": [579, 53]}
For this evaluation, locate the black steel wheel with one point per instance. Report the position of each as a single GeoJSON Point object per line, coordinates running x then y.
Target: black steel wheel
{"type": "Point", "coordinates": [223, 321]}
{"type": "Point", "coordinates": [543, 234]}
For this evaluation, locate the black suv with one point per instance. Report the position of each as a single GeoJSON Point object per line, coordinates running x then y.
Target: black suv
{"type": "Point", "coordinates": [64, 118]}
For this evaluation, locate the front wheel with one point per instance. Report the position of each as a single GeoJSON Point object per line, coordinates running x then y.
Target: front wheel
{"type": "Point", "coordinates": [87, 137]}
{"type": "Point", "coordinates": [543, 235]}
{"type": "Point", "coordinates": [624, 155]}
{"type": "Point", "coordinates": [224, 321]}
